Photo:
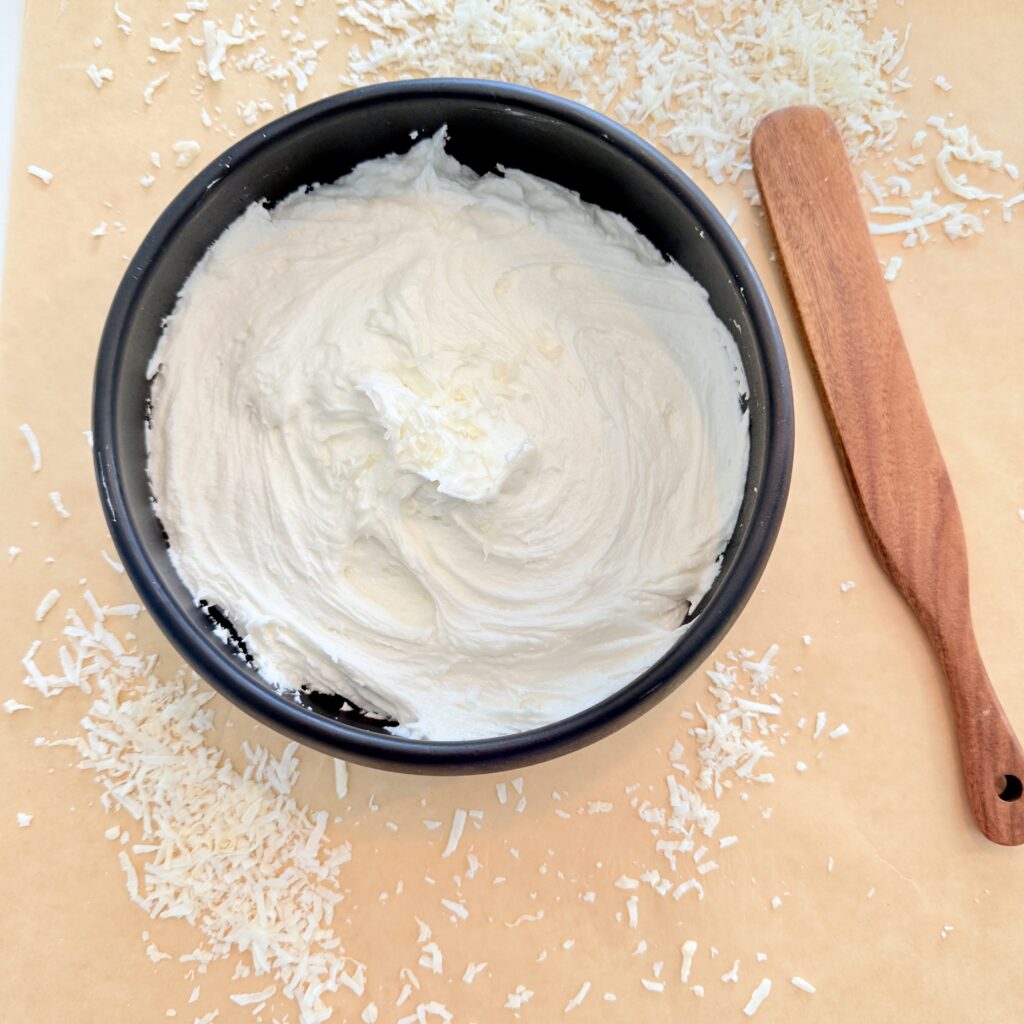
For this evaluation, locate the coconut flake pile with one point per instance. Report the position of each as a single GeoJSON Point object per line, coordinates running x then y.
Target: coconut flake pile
{"type": "Point", "coordinates": [695, 77]}
{"type": "Point", "coordinates": [732, 743]}
{"type": "Point", "coordinates": [228, 850]}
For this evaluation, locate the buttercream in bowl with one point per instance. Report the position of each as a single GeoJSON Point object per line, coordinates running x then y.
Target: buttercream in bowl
{"type": "Point", "coordinates": [462, 449]}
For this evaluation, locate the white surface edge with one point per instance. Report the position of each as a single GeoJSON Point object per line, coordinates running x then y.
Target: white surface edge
{"type": "Point", "coordinates": [11, 13]}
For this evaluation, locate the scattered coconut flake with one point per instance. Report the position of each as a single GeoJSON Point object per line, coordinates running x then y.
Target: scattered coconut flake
{"type": "Point", "coordinates": [124, 21]}
{"type": "Point", "coordinates": [26, 431]}
{"type": "Point", "coordinates": [455, 834]}
{"type": "Point", "coordinates": [839, 731]}
{"type": "Point", "coordinates": [12, 552]}
{"type": "Point", "coordinates": [112, 562]}
{"type": "Point", "coordinates": [733, 974]}
{"type": "Point", "coordinates": [502, 790]}
{"type": "Point", "coordinates": [804, 986]}
{"type": "Point", "coordinates": [147, 95]}
{"type": "Point", "coordinates": [155, 955]}
{"type": "Point", "coordinates": [652, 986]}
{"type": "Point", "coordinates": [340, 778]}
{"type": "Point", "coordinates": [185, 150]}
{"type": "Point", "coordinates": [688, 949]}
{"type": "Point", "coordinates": [369, 1014]}
{"type": "Point", "coordinates": [458, 909]}
{"type": "Point", "coordinates": [165, 45]}
{"type": "Point", "coordinates": [800, 766]}
{"type": "Point", "coordinates": [578, 998]}
{"type": "Point", "coordinates": [524, 918]}
{"type": "Point", "coordinates": [959, 144]}
{"type": "Point", "coordinates": [892, 268]}
{"type": "Point", "coordinates": [24, 820]}
{"type": "Point", "coordinates": [516, 999]}
{"type": "Point", "coordinates": [100, 230]}
{"type": "Point", "coordinates": [431, 958]}
{"type": "Point", "coordinates": [631, 910]}
{"type": "Point", "coordinates": [819, 724]}
{"type": "Point", "coordinates": [250, 998]}
{"type": "Point", "coordinates": [11, 706]}
{"type": "Point", "coordinates": [99, 75]}
{"type": "Point", "coordinates": [757, 997]}
{"type": "Point", "coordinates": [472, 970]}
{"type": "Point", "coordinates": [58, 505]}
{"type": "Point", "coordinates": [599, 807]}
{"type": "Point", "coordinates": [942, 83]}
{"type": "Point", "coordinates": [847, 586]}
{"type": "Point", "coordinates": [1007, 215]}
{"type": "Point", "coordinates": [49, 600]}
{"type": "Point", "coordinates": [424, 1010]}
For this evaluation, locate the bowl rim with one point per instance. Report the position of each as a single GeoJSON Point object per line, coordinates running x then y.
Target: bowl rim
{"type": "Point", "coordinates": [224, 672]}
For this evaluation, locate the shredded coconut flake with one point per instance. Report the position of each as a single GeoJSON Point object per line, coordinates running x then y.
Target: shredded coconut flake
{"type": "Point", "coordinates": [892, 267]}
{"type": "Point", "coordinates": [147, 95]}
{"type": "Point", "coordinates": [250, 998]}
{"type": "Point", "coordinates": [165, 45]}
{"type": "Point", "coordinates": [455, 834]}
{"type": "Point", "coordinates": [757, 997]}
{"type": "Point", "coordinates": [340, 778]}
{"type": "Point", "coordinates": [58, 505]}
{"type": "Point", "coordinates": [99, 75]}
{"type": "Point", "coordinates": [578, 998]}
{"type": "Point", "coordinates": [46, 604]}
{"type": "Point", "coordinates": [27, 432]}
{"type": "Point", "coordinates": [185, 151]}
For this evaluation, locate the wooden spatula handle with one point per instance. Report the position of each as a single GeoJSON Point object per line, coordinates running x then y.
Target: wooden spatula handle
{"type": "Point", "coordinates": [885, 441]}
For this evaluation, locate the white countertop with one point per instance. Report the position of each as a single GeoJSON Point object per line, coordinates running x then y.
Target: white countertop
{"type": "Point", "coordinates": [10, 46]}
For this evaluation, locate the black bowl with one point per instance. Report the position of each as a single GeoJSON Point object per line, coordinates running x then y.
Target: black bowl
{"type": "Point", "coordinates": [490, 125]}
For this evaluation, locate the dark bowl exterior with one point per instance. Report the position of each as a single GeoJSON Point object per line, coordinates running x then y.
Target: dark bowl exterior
{"type": "Point", "coordinates": [490, 125]}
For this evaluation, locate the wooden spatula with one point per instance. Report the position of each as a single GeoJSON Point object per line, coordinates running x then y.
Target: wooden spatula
{"type": "Point", "coordinates": [889, 453]}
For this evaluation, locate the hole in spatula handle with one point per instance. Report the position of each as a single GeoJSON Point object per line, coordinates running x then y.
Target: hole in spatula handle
{"type": "Point", "coordinates": [1009, 788]}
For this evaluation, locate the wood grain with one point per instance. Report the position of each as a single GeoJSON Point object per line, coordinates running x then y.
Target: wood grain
{"type": "Point", "coordinates": [880, 426]}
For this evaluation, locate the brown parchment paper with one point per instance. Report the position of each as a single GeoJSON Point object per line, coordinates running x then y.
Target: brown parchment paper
{"type": "Point", "coordinates": [886, 803]}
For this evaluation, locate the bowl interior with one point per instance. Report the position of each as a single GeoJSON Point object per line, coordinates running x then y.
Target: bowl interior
{"type": "Point", "coordinates": [489, 127]}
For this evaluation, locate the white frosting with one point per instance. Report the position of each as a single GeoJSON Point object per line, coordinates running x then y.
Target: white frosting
{"type": "Point", "coordinates": [462, 449]}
